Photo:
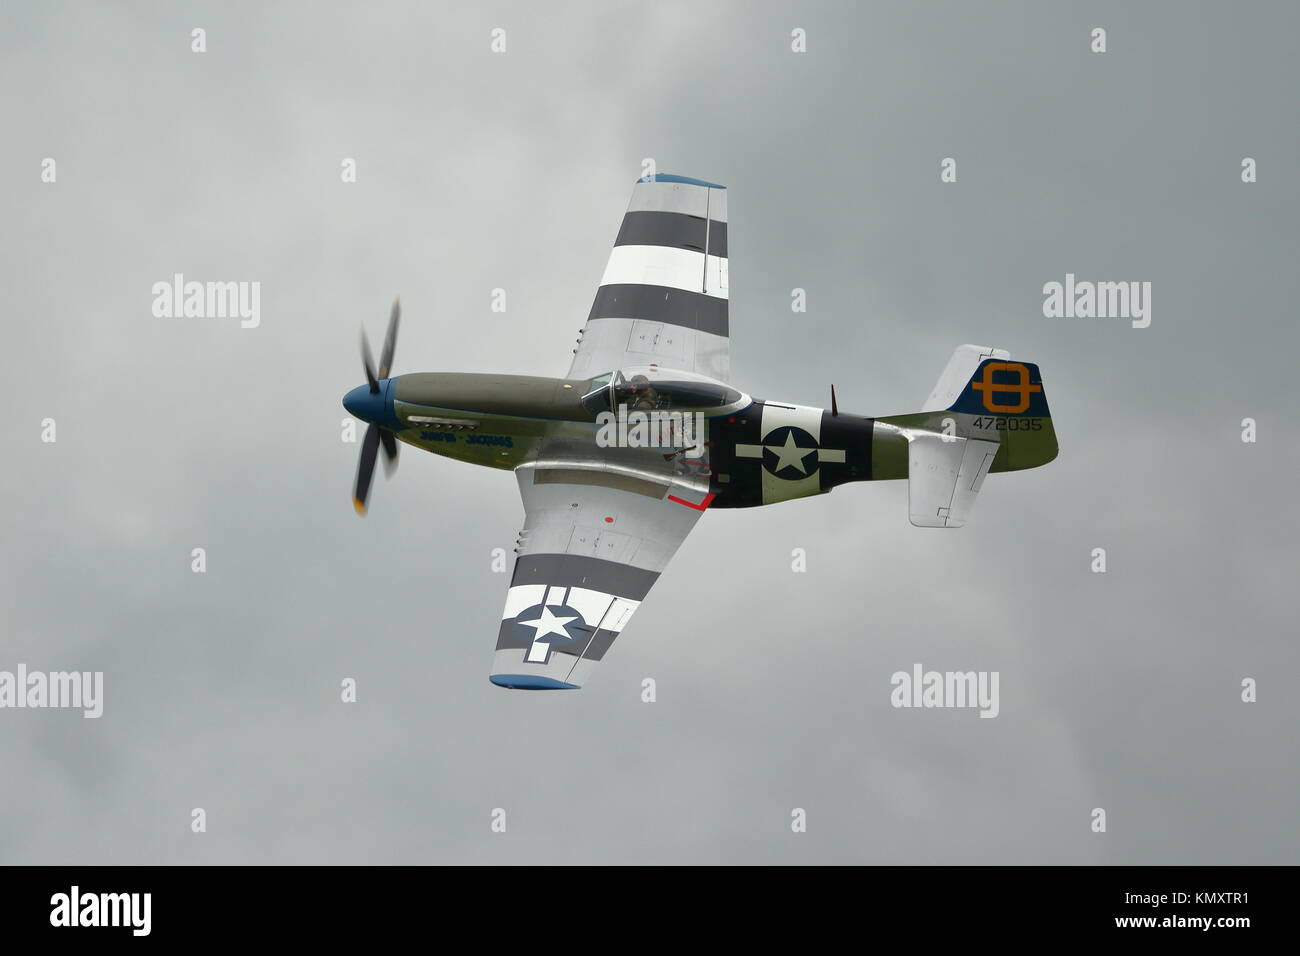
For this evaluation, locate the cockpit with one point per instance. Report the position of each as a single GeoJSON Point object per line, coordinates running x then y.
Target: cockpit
{"type": "Point", "coordinates": [649, 388]}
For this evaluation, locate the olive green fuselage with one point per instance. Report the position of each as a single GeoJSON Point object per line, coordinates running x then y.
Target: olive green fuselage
{"type": "Point", "coordinates": [504, 421]}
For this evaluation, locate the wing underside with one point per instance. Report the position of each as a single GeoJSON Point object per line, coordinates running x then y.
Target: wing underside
{"type": "Point", "coordinates": [594, 542]}
{"type": "Point", "coordinates": [663, 296]}
{"type": "Point", "coordinates": [599, 528]}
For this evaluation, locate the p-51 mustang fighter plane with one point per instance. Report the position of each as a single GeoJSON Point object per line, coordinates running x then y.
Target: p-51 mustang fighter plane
{"type": "Point", "coordinates": [607, 505]}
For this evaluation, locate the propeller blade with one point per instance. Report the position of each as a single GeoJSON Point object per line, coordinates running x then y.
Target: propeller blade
{"type": "Point", "coordinates": [390, 340]}
{"type": "Point", "coordinates": [368, 362]}
{"type": "Point", "coordinates": [835, 406]}
{"type": "Point", "coordinates": [374, 434]}
{"type": "Point", "coordinates": [390, 450]}
{"type": "Point", "coordinates": [366, 468]}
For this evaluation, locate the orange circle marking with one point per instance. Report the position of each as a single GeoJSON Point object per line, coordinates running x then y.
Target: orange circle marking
{"type": "Point", "coordinates": [986, 386]}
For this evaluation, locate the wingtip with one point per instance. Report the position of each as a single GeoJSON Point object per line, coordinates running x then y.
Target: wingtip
{"type": "Point", "coordinates": [530, 682]}
{"type": "Point", "coordinates": [674, 178]}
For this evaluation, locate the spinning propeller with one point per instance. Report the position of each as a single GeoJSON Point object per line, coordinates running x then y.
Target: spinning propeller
{"type": "Point", "coordinates": [376, 434]}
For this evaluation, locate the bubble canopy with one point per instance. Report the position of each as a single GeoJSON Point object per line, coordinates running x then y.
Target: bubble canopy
{"type": "Point", "coordinates": [651, 388]}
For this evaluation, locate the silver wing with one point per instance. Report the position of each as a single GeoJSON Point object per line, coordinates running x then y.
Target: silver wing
{"type": "Point", "coordinates": [594, 542]}
{"type": "Point", "coordinates": [600, 528]}
{"type": "Point", "coordinates": [663, 297]}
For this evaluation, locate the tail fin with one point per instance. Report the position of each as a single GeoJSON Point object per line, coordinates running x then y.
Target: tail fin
{"type": "Point", "coordinates": [1007, 401]}
{"type": "Point", "coordinates": [986, 413]}
{"type": "Point", "coordinates": [966, 359]}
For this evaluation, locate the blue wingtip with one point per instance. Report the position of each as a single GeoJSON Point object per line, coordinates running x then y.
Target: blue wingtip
{"type": "Point", "coordinates": [670, 178]}
{"type": "Point", "coordinates": [530, 682]}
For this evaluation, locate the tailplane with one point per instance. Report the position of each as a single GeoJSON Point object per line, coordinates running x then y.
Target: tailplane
{"type": "Point", "coordinates": [986, 413]}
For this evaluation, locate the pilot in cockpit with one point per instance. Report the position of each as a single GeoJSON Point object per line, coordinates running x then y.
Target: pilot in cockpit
{"type": "Point", "coordinates": [641, 394]}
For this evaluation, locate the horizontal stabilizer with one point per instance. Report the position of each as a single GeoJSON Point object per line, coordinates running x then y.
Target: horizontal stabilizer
{"type": "Point", "coordinates": [944, 476]}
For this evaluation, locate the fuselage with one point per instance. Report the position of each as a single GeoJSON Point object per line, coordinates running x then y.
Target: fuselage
{"type": "Point", "coordinates": [753, 452]}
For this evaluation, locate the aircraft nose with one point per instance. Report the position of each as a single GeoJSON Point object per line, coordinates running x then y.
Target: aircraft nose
{"type": "Point", "coordinates": [364, 404]}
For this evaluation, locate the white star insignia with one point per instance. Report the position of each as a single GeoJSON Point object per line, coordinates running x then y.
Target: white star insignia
{"type": "Point", "coordinates": [790, 455]}
{"type": "Point", "coordinates": [548, 624]}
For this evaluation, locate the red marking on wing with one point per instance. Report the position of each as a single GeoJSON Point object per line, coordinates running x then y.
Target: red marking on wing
{"type": "Point", "coordinates": [708, 500]}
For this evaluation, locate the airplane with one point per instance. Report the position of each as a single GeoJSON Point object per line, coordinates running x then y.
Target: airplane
{"type": "Point", "coordinates": [606, 508]}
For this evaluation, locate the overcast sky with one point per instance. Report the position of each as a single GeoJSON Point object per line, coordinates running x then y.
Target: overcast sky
{"type": "Point", "coordinates": [478, 171]}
